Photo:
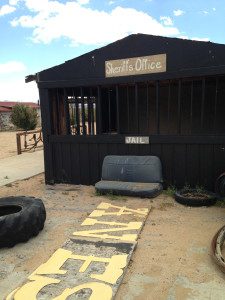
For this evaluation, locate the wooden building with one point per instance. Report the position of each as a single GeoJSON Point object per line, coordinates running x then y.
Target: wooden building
{"type": "Point", "coordinates": [168, 94]}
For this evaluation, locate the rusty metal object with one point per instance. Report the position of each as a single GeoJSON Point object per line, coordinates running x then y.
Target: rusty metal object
{"type": "Point", "coordinates": [32, 139]}
{"type": "Point", "coordinates": [216, 247]}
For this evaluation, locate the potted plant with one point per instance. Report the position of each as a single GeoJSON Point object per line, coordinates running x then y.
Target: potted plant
{"type": "Point", "coordinates": [195, 196]}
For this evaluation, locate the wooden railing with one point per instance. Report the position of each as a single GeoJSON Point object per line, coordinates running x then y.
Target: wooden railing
{"type": "Point", "coordinates": [29, 140]}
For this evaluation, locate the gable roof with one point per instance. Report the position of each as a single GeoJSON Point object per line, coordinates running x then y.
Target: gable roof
{"type": "Point", "coordinates": [6, 106]}
{"type": "Point", "coordinates": [185, 58]}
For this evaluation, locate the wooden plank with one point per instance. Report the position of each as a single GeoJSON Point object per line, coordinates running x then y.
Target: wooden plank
{"type": "Point", "coordinates": [102, 152]}
{"type": "Point", "coordinates": [95, 172]}
{"type": "Point", "coordinates": [84, 163]}
{"type": "Point", "coordinates": [75, 163]}
{"type": "Point", "coordinates": [154, 139]}
{"type": "Point", "coordinates": [163, 108]}
{"type": "Point", "coordinates": [152, 112]}
{"type": "Point", "coordinates": [157, 107]}
{"type": "Point", "coordinates": [202, 103]}
{"type": "Point", "coordinates": [112, 149]}
{"type": "Point", "coordinates": [57, 166]}
{"type": "Point", "coordinates": [193, 166]}
{"type": "Point", "coordinates": [66, 109]}
{"type": "Point", "coordinates": [156, 149]}
{"type": "Point", "coordinates": [133, 149]}
{"type": "Point", "coordinates": [142, 109]}
{"type": "Point", "coordinates": [66, 162]}
{"type": "Point", "coordinates": [136, 108]}
{"type": "Point", "coordinates": [89, 107]}
{"type": "Point", "coordinates": [179, 107]}
{"type": "Point", "coordinates": [46, 115]}
{"type": "Point", "coordinates": [98, 112]}
{"type": "Point", "coordinates": [18, 143]}
{"type": "Point", "coordinates": [206, 164]}
{"type": "Point", "coordinates": [83, 111]}
{"type": "Point", "coordinates": [185, 108]}
{"type": "Point", "coordinates": [117, 109]}
{"type": "Point", "coordinates": [215, 107]}
{"type": "Point", "coordinates": [147, 108]}
{"type": "Point", "coordinates": [167, 159]}
{"type": "Point", "coordinates": [180, 165]}
{"type": "Point", "coordinates": [77, 111]}
{"type": "Point", "coordinates": [128, 109]}
{"type": "Point", "coordinates": [144, 150]}
{"type": "Point", "coordinates": [109, 110]}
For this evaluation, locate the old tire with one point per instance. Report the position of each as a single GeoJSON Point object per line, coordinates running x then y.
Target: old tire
{"type": "Point", "coordinates": [180, 198]}
{"type": "Point", "coordinates": [20, 219]}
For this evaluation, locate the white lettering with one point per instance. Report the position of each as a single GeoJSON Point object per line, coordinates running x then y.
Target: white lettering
{"type": "Point", "coordinates": [108, 68]}
{"type": "Point", "coordinates": [158, 65]}
{"type": "Point", "coordinates": [138, 65]}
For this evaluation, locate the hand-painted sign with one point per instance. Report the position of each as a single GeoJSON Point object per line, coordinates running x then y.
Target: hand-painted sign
{"type": "Point", "coordinates": [136, 140]}
{"type": "Point", "coordinates": [70, 268]}
{"type": "Point", "coordinates": [136, 65]}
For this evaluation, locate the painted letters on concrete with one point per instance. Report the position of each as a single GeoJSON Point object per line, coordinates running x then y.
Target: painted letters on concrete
{"type": "Point", "coordinates": [88, 265]}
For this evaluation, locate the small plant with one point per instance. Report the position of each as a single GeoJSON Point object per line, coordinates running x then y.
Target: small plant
{"type": "Point", "coordinates": [187, 186]}
{"type": "Point", "coordinates": [24, 117]}
{"type": "Point", "coordinates": [220, 202]}
{"type": "Point", "coordinates": [9, 185]}
{"type": "Point", "coordinates": [200, 189]}
{"type": "Point", "coordinates": [111, 196]}
{"type": "Point", "coordinates": [97, 193]}
{"type": "Point", "coordinates": [6, 177]}
{"type": "Point", "coordinates": [170, 191]}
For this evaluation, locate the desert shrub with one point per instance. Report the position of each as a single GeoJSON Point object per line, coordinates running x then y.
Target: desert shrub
{"type": "Point", "coordinates": [24, 117]}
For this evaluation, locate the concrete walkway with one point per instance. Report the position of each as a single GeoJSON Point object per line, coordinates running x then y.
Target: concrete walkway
{"type": "Point", "coordinates": [21, 167]}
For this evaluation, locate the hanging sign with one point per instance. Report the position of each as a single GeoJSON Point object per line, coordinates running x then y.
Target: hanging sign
{"type": "Point", "coordinates": [136, 65]}
{"type": "Point", "coordinates": [137, 140]}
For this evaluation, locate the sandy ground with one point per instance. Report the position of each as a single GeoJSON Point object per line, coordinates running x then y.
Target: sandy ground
{"type": "Point", "coordinates": [172, 259]}
{"type": "Point", "coordinates": [8, 144]}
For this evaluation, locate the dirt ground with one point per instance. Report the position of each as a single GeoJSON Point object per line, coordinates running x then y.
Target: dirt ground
{"type": "Point", "coordinates": [171, 262]}
{"type": "Point", "coordinates": [8, 144]}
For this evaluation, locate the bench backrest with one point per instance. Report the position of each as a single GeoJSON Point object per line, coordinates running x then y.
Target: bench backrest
{"type": "Point", "coordinates": [132, 168]}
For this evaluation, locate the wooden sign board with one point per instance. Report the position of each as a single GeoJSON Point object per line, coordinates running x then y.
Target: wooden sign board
{"type": "Point", "coordinates": [136, 140]}
{"type": "Point", "coordinates": [136, 65]}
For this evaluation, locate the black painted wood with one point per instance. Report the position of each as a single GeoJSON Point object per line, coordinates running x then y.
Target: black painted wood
{"type": "Point", "coordinates": [185, 58]}
{"type": "Point", "coordinates": [182, 111]}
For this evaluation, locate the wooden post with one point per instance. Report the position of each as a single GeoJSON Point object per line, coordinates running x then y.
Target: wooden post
{"type": "Point", "coordinates": [18, 142]}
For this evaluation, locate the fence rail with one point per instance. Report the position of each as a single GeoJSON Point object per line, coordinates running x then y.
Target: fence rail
{"type": "Point", "coordinates": [29, 140]}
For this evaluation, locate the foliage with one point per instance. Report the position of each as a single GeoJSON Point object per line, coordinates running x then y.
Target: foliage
{"type": "Point", "coordinates": [200, 189]}
{"type": "Point", "coordinates": [220, 202]}
{"type": "Point", "coordinates": [24, 117]}
{"type": "Point", "coordinates": [170, 191]}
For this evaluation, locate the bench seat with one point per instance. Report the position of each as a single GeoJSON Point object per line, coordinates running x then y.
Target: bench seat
{"type": "Point", "coordinates": [138, 189]}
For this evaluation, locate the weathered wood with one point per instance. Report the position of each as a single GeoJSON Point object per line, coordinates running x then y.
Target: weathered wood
{"type": "Point", "coordinates": [181, 110]}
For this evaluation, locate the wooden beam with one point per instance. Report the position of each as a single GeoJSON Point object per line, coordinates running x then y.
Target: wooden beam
{"type": "Point", "coordinates": [83, 110]}
{"type": "Point", "coordinates": [67, 114]}
{"type": "Point", "coordinates": [99, 112]}
{"type": "Point", "coordinates": [117, 109]}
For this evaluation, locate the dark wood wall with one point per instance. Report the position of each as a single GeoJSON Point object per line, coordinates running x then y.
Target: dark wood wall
{"type": "Point", "coordinates": [173, 107]}
{"type": "Point", "coordinates": [184, 119]}
{"type": "Point", "coordinates": [185, 159]}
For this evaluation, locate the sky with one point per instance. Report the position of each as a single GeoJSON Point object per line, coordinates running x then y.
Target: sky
{"type": "Point", "coordinates": [38, 34]}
